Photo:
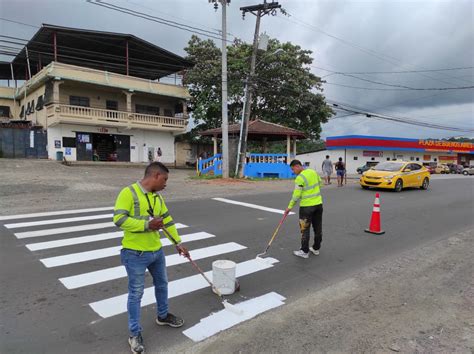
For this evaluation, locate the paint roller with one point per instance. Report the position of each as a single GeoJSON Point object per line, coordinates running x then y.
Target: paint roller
{"type": "Point", "coordinates": [225, 303]}
{"type": "Point", "coordinates": [273, 236]}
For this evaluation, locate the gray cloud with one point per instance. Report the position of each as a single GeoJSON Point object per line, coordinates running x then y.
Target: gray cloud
{"type": "Point", "coordinates": [408, 34]}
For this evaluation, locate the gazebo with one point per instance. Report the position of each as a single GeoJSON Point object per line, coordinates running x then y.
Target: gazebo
{"type": "Point", "coordinates": [257, 164]}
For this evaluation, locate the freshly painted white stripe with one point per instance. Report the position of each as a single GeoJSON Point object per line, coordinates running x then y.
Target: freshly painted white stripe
{"type": "Point", "coordinates": [376, 209]}
{"type": "Point", "coordinates": [109, 252]}
{"type": "Point", "coordinates": [52, 213]}
{"type": "Point", "coordinates": [58, 221]}
{"type": "Point", "coordinates": [225, 319]}
{"type": "Point", "coordinates": [253, 206]}
{"type": "Point", "coordinates": [63, 230]}
{"type": "Point", "coordinates": [103, 275]}
{"type": "Point", "coordinates": [118, 304]}
{"type": "Point", "coordinates": [80, 240]}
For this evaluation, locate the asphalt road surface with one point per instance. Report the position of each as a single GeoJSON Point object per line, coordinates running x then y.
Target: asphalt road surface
{"type": "Point", "coordinates": [63, 291]}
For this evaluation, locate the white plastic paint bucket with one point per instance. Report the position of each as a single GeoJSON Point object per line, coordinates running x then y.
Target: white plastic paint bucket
{"type": "Point", "coordinates": [223, 276]}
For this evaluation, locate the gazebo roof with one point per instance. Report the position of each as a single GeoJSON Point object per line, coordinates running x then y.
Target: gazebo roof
{"type": "Point", "coordinates": [259, 129]}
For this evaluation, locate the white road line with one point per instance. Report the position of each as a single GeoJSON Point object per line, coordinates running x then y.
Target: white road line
{"type": "Point", "coordinates": [52, 213]}
{"type": "Point", "coordinates": [118, 304]}
{"type": "Point", "coordinates": [225, 319]}
{"type": "Point", "coordinates": [109, 252]}
{"type": "Point", "coordinates": [63, 230]}
{"type": "Point", "coordinates": [58, 221]}
{"type": "Point", "coordinates": [103, 275]}
{"type": "Point", "coordinates": [253, 206]}
{"type": "Point", "coordinates": [80, 240]}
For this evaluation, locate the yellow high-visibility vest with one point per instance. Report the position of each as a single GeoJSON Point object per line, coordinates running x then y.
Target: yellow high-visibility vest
{"type": "Point", "coordinates": [132, 216]}
{"type": "Point", "coordinates": [307, 189]}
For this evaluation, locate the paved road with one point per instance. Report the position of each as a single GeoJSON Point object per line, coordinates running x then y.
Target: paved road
{"type": "Point", "coordinates": [52, 302]}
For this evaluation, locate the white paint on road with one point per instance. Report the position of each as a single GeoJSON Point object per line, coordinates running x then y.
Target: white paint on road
{"type": "Point", "coordinates": [253, 206]}
{"type": "Point", "coordinates": [64, 230]}
{"type": "Point", "coordinates": [109, 252]}
{"type": "Point", "coordinates": [53, 213]}
{"type": "Point", "coordinates": [103, 275]}
{"type": "Point", "coordinates": [118, 304]}
{"type": "Point", "coordinates": [58, 221]}
{"type": "Point", "coordinates": [80, 240]}
{"type": "Point", "coordinates": [225, 319]}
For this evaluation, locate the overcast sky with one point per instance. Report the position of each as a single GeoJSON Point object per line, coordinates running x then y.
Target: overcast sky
{"type": "Point", "coordinates": [380, 35]}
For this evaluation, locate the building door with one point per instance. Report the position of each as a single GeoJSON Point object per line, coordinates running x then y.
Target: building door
{"type": "Point", "coordinates": [122, 145]}
{"type": "Point", "coordinates": [111, 106]}
{"type": "Point", "coordinates": [84, 146]}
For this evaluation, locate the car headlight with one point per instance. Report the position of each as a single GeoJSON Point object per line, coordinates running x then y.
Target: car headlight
{"type": "Point", "coordinates": [389, 177]}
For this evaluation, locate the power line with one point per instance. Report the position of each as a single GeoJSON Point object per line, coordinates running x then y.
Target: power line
{"type": "Point", "coordinates": [156, 19]}
{"type": "Point", "coordinates": [394, 72]}
{"type": "Point", "coordinates": [401, 87]}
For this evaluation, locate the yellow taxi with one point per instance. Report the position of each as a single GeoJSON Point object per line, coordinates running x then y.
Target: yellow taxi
{"type": "Point", "coordinates": [396, 175]}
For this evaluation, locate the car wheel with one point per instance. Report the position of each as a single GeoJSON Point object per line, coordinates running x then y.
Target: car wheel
{"type": "Point", "coordinates": [453, 172]}
{"type": "Point", "coordinates": [398, 186]}
{"type": "Point", "coordinates": [465, 173]}
{"type": "Point", "coordinates": [425, 184]}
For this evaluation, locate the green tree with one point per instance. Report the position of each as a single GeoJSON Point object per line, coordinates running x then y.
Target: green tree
{"type": "Point", "coordinates": [286, 92]}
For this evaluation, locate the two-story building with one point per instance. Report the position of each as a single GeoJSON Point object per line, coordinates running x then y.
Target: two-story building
{"type": "Point", "coordinates": [95, 96]}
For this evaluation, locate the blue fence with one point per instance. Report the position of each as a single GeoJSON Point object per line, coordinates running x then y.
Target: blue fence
{"type": "Point", "coordinates": [268, 165]}
{"type": "Point", "coordinates": [212, 164]}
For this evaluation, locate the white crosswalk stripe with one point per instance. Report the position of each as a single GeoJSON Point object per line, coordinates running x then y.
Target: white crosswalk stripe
{"type": "Point", "coordinates": [109, 252]}
{"type": "Point", "coordinates": [80, 240]}
{"type": "Point", "coordinates": [103, 275]}
{"type": "Point", "coordinates": [118, 304]}
{"type": "Point", "coordinates": [38, 225]}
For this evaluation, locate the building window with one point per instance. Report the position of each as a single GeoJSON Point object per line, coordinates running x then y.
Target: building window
{"type": "Point", "coordinates": [435, 159]}
{"type": "Point", "coordinates": [5, 111]}
{"type": "Point", "coordinates": [412, 158]}
{"type": "Point", "coordinates": [79, 101]}
{"type": "Point", "coordinates": [417, 159]}
{"type": "Point", "coordinates": [22, 112]}
{"type": "Point", "coordinates": [40, 103]}
{"type": "Point", "coordinates": [372, 159]}
{"type": "Point", "coordinates": [388, 158]}
{"type": "Point", "coordinates": [144, 109]}
{"type": "Point", "coordinates": [356, 158]}
{"type": "Point", "coordinates": [168, 113]}
{"type": "Point", "coordinates": [306, 164]}
{"type": "Point", "coordinates": [69, 142]}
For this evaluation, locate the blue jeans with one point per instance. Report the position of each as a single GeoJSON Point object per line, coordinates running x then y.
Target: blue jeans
{"type": "Point", "coordinates": [136, 263]}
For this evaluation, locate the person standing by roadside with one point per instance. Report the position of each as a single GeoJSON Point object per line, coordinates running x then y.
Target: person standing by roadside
{"type": "Point", "coordinates": [340, 171]}
{"type": "Point", "coordinates": [140, 212]}
{"type": "Point", "coordinates": [327, 170]}
{"type": "Point", "coordinates": [307, 192]}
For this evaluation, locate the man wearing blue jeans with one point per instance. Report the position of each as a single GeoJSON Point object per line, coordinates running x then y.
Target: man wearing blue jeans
{"type": "Point", "coordinates": [140, 211]}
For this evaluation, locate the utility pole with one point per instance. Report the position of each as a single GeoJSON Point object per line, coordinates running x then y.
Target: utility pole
{"type": "Point", "coordinates": [259, 11]}
{"type": "Point", "coordinates": [225, 120]}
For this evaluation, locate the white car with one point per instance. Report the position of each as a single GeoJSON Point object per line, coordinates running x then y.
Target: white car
{"type": "Point", "coordinates": [468, 171]}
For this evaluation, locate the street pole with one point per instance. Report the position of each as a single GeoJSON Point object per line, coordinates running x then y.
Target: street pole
{"type": "Point", "coordinates": [237, 161]}
{"type": "Point", "coordinates": [259, 11]}
{"type": "Point", "coordinates": [225, 120]}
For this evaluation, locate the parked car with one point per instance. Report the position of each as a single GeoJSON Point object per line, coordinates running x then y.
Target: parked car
{"type": "Point", "coordinates": [442, 169]}
{"type": "Point", "coordinates": [431, 169]}
{"type": "Point", "coordinates": [396, 175]}
{"type": "Point", "coordinates": [455, 168]}
{"type": "Point", "coordinates": [366, 167]}
{"type": "Point", "coordinates": [468, 171]}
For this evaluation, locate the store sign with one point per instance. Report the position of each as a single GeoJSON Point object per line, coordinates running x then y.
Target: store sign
{"type": "Point", "coordinates": [372, 153]}
{"type": "Point", "coordinates": [446, 144]}
{"type": "Point", "coordinates": [57, 144]}
{"type": "Point", "coordinates": [426, 157]}
{"type": "Point", "coordinates": [102, 130]}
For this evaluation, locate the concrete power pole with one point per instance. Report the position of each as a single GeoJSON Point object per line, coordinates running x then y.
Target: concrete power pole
{"type": "Point", "coordinates": [225, 120]}
{"type": "Point", "coordinates": [259, 11]}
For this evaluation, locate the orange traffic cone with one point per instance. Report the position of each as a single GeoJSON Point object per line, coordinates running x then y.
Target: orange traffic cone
{"type": "Point", "coordinates": [375, 227]}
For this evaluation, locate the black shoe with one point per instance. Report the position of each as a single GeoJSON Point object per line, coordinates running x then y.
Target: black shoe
{"type": "Point", "coordinates": [170, 320]}
{"type": "Point", "coordinates": [136, 344]}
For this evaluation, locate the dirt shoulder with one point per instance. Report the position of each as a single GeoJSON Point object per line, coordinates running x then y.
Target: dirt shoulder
{"type": "Point", "coordinates": [421, 301]}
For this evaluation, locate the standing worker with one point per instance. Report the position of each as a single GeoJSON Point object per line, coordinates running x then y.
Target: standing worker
{"type": "Point", "coordinates": [327, 170]}
{"type": "Point", "coordinates": [340, 171]}
{"type": "Point", "coordinates": [307, 191]}
{"type": "Point", "coordinates": [140, 212]}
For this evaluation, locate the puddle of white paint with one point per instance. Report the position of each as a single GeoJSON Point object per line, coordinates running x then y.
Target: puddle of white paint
{"type": "Point", "coordinates": [225, 319]}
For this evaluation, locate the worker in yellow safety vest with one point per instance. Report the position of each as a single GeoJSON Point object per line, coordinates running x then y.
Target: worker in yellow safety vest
{"type": "Point", "coordinates": [307, 192]}
{"type": "Point", "coordinates": [140, 212]}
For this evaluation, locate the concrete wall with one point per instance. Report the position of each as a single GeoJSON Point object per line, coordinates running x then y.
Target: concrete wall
{"type": "Point", "coordinates": [355, 158]}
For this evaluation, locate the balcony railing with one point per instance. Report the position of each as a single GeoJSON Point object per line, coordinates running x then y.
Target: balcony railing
{"type": "Point", "coordinates": [60, 113]}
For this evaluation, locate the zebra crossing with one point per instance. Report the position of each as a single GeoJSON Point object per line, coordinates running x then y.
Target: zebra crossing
{"type": "Point", "coordinates": [51, 236]}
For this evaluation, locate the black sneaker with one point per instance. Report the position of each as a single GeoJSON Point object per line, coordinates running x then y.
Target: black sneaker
{"type": "Point", "coordinates": [136, 344]}
{"type": "Point", "coordinates": [170, 320]}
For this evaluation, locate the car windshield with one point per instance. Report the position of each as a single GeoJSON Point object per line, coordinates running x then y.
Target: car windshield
{"type": "Point", "coordinates": [389, 166]}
